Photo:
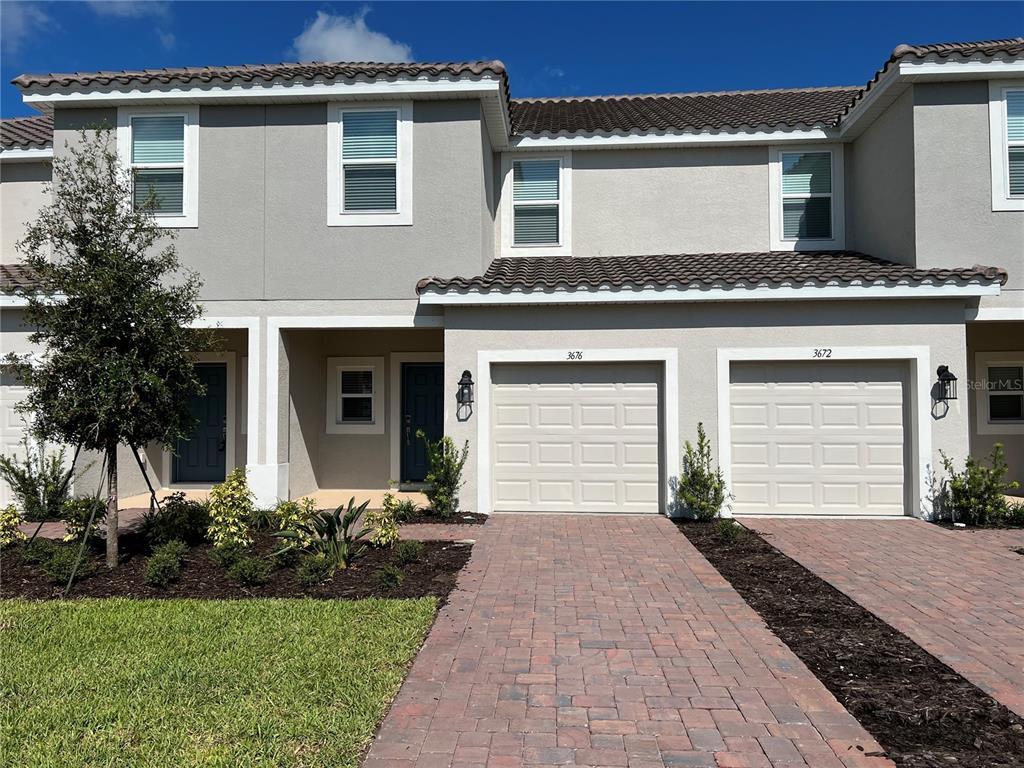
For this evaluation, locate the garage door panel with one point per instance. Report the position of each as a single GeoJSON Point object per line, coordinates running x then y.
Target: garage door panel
{"type": "Point", "coordinates": [592, 437]}
{"type": "Point", "coordinates": [820, 438]}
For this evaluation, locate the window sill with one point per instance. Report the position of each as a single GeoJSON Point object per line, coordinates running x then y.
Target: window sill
{"type": "Point", "coordinates": [189, 221]}
{"type": "Point", "coordinates": [537, 250]}
{"type": "Point", "coordinates": [400, 219]}
{"type": "Point", "coordinates": [355, 429]}
{"type": "Point", "coordinates": [1007, 203]}
{"type": "Point", "coordinates": [832, 244]}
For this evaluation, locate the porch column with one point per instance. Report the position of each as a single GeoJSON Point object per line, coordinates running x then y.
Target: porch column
{"type": "Point", "coordinates": [266, 472]}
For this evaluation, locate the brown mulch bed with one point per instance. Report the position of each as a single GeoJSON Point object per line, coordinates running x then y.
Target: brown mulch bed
{"type": "Point", "coordinates": [434, 574]}
{"type": "Point", "coordinates": [427, 516]}
{"type": "Point", "coordinates": [923, 713]}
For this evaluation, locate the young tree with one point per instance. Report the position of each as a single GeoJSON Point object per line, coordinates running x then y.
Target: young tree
{"type": "Point", "coordinates": [116, 362]}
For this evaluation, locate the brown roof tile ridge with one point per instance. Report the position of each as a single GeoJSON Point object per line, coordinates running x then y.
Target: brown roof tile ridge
{"type": "Point", "coordinates": [681, 94]}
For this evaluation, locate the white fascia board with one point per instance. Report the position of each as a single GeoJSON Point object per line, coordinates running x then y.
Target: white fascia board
{"type": "Point", "coordinates": [11, 302]}
{"type": "Point", "coordinates": [982, 69]}
{"type": "Point", "coordinates": [25, 154]}
{"type": "Point", "coordinates": [660, 140]}
{"type": "Point", "coordinates": [809, 293]}
{"type": "Point", "coordinates": [994, 314]}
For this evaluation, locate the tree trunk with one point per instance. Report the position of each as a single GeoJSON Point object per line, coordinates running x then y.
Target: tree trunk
{"type": "Point", "coordinates": [112, 506]}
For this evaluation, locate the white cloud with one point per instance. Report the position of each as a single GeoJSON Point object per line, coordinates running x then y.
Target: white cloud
{"type": "Point", "coordinates": [129, 9]}
{"type": "Point", "coordinates": [167, 39]}
{"type": "Point", "coordinates": [20, 22]}
{"type": "Point", "coordinates": [346, 38]}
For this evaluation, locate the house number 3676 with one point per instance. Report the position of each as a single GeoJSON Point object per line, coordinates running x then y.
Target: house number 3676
{"type": "Point", "coordinates": [575, 354]}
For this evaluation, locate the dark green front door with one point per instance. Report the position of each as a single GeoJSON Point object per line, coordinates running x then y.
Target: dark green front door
{"type": "Point", "coordinates": [422, 409]}
{"type": "Point", "coordinates": [201, 458]}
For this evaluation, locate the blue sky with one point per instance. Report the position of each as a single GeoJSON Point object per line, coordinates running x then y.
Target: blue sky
{"type": "Point", "coordinates": [551, 49]}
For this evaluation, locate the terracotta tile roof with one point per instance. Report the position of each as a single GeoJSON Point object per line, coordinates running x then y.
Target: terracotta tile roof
{"type": "Point", "coordinates": [263, 72]}
{"type": "Point", "coordinates": [701, 270]}
{"type": "Point", "coordinates": [15, 276]}
{"type": "Point", "coordinates": [1006, 48]}
{"type": "Point", "coordinates": [681, 111]}
{"type": "Point", "coordinates": [26, 132]}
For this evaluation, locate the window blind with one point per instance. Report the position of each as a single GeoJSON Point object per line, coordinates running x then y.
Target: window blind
{"type": "Point", "coordinates": [806, 173]}
{"type": "Point", "coordinates": [807, 195]}
{"type": "Point", "coordinates": [535, 180]}
{"type": "Point", "coordinates": [807, 217]}
{"type": "Point", "coordinates": [369, 135]}
{"type": "Point", "coordinates": [369, 153]}
{"type": "Point", "coordinates": [1015, 135]}
{"type": "Point", "coordinates": [166, 185]}
{"type": "Point", "coordinates": [158, 140]}
{"type": "Point", "coordinates": [535, 197]}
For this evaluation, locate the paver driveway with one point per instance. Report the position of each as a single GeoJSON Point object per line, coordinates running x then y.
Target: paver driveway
{"type": "Point", "coordinates": [957, 594]}
{"type": "Point", "coordinates": [607, 641]}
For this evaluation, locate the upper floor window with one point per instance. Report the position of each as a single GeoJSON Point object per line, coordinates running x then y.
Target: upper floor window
{"type": "Point", "coordinates": [370, 170]}
{"type": "Point", "coordinates": [806, 193]}
{"type": "Point", "coordinates": [539, 214]}
{"type": "Point", "coordinates": [160, 149]}
{"type": "Point", "coordinates": [1006, 132]}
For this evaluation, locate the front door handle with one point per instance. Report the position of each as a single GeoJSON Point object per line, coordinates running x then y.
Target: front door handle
{"type": "Point", "coordinates": [408, 430]}
{"type": "Point", "coordinates": [223, 435]}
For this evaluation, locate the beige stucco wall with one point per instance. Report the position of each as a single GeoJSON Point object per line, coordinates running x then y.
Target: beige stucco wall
{"type": "Point", "coordinates": [263, 230]}
{"type": "Point", "coordinates": [955, 224]}
{"type": "Point", "coordinates": [23, 192]}
{"type": "Point", "coordinates": [994, 337]}
{"type": "Point", "coordinates": [880, 185]}
{"type": "Point", "coordinates": [698, 331]}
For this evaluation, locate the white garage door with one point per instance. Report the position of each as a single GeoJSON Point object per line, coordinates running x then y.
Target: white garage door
{"type": "Point", "coordinates": [822, 438]}
{"type": "Point", "coordinates": [12, 429]}
{"type": "Point", "coordinates": [574, 438]}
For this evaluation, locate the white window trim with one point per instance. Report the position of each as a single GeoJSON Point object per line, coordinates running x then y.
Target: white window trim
{"type": "Point", "coordinates": [336, 217]}
{"type": "Point", "coordinates": [335, 365]}
{"type": "Point", "coordinates": [564, 247]}
{"type": "Point", "coordinates": [838, 239]}
{"type": "Point", "coordinates": [982, 361]}
{"type": "Point", "coordinates": [190, 190]}
{"type": "Point", "coordinates": [999, 145]}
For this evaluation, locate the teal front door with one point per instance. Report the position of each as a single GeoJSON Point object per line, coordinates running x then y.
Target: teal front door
{"type": "Point", "coordinates": [202, 457]}
{"type": "Point", "coordinates": [422, 409]}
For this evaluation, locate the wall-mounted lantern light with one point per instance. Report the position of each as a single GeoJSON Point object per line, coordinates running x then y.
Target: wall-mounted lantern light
{"type": "Point", "coordinates": [947, 384]}
{"type": "Point", "coordinates": [465, 395]}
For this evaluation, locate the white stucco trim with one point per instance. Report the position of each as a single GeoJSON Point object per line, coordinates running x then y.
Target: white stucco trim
{"type": "Point", "coordinates": [507, 207]}
{"type": "Point", "coordinates": [985, 314]}
{"type": "Point", "coordinates": [190, 206]}
{"type": "Point", "coordinates": [998, 145]}
{"type": "Point", "coordinates": [649, 140]}
{"type": "Point", "coordinates": [760, 293]}
{"type": "Point", "coordinates": [26, 154]}
{"type": "Point", "coordinates": [667, 356]}
{"type": "Point", "coordinates": [919, 395]}
{"type": "Point", "coordinates": [395, 362]}
{"type": "Point", "coordinates": [775, 197]}
{"type": "Point", "coordinates": [13, 302]}
{"type": "Point", "coordinates": [228, 358]}
{"type": "Point", "coordinates": [982, 360]}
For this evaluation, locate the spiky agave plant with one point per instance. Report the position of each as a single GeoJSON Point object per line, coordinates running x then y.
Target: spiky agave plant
{"type": "Point", "coordinates": [336, 535]}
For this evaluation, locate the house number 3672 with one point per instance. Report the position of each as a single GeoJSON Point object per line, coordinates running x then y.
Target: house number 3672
{"type": "Point", "coordinates": [575, 354]}
{"type": "Point", "coordinates": [823, 352]}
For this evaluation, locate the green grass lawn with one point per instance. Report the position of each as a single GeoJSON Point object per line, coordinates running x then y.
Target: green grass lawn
{"type": "Point", "coordinates": [196, 682]}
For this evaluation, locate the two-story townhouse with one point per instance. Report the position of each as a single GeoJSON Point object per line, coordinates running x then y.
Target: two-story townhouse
{"type": "Point", "coordinates": [572, 285]}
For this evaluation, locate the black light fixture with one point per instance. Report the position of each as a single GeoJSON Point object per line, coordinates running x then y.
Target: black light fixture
{"type": "Point", "coordinates": [947, 384]}
{"type": "Point", "coordinates": [465, 395]}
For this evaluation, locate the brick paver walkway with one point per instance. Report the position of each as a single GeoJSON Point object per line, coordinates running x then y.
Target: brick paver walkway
{"type": "Point", "coordinates": [607, 641]}
{"type": "Point", "coordinates": [957, 594]}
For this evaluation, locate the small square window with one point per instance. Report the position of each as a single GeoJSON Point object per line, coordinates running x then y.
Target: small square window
{"type": "Point", "coordinates": [353, 404]}
{"type": "Point", "coordinates": [1005, 389]}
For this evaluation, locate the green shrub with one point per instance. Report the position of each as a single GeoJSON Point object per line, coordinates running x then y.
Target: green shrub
{"type": "Point", "coordinates": [975, 495]}
{"type": "Point", "coordinates": [291, 514]}
{"type": "Point", "coordinates": [162, 568]}
{"type": "Point", "coordinates": [730, 529]}
{"type": "Point", "coordinates": [1015, 516]}
{"type": "Point", "coordinates": [444, 478]}
{"type": "Point", "coordinates": [335, 535]}
{"type": "Point", "coordinates": [175, 549]}
{"type": "Point", "coordinates": [262, 519]}
{"type": "Point", "coordinates": [227, 555]}
{"type": "Point", "coordinates": [177, 519]}
{"type": "Point", "coordinates": [61, 561]}
{"type": "Point", "coordinates": [701, 490]}
{"type": "Point", "coordinates": [38, 550]}
{"type": "Point", "coordinates": [10, 519]}
{"type": "Point", "coordinates": [401, 510]}
{"type": "Point", "coordinates": [287, 558]}
{"type": "Point", "coordinates": [385, 529]}
{"type": "Point", "coordinates": [76, 514]}
{"type": "Point", "coordinates": [409, 552]}
{"type": "Point", "coordinates": [312, 570]}
{"type": "Point", "coordinates": [250, 571]}
{"type": "Point", "coordinates": [388, 577]}
{"type": "Point", "coordinates": [39, 480]}
{"type": "Point", "coordinates": [231, 507]}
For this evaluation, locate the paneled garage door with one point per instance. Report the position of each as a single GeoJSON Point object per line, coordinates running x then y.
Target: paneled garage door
{"type": "Point", "coordinates": [12, 429]}
{"type": "Point", "coordinates": [575, 438]}
{"type": "Point", "coordinates": [818, 438]}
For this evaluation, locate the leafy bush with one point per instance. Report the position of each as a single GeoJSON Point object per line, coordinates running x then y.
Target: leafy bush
{"type": "Point", "coordinates": [401, 510]}
{"type": "Point", "coordinates": [444, 478]}
{"type": "Point", "coordinates": [388, 577]}
{"type": "Point", "coordinates": [10, 519]}
{"type": "Point", "coordinates": [385, 529]}
{"type": "Point", "coordinates": [262, 519]}
{"type": "Point", "coordinates": [39, 480]}
{"type": "Point", "coordinates": [61, 561]}
{"type": "Point", "coordinates": [334, 535]}
{"type": "Point", "coordinates": [38, 550]}
{"type": "Point", "coordinates": [175, 549]}
{"type": "Point", "coordinates": [227, 555]}
{"type": "Point", "coordinates": [250, 571]}
{"type": "Point", "coordinates": [975, 495]}
{"type": "Point", "coordinates": [287, 558]}
{"type": "Point", "coordinates": [1015, 516]}
{"type": "Point", "coordinates": [177, 519]}
{"type": "Point", "coordinates": [730, 529]}
{"type": "Point", "coordinates": [231, 506]}
{"type": "Point", "coordinates": [409, 552]}
{"type": "Point", "coordinates": [291, 514]}
{"type": "Point", "coordinates": [162, 568]}
{"type": "Point", "coordinates": [701, 489]}
{"type": "Point", "coordinates": [76, 516]}
{"type": "Point", "coordinates": [312, 570]}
